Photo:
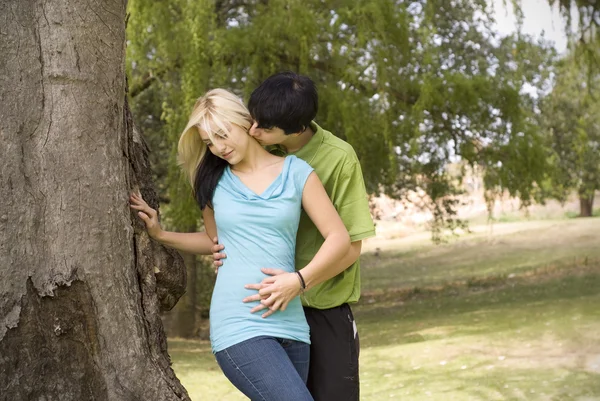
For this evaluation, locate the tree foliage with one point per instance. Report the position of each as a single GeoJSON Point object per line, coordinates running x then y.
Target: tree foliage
{"type": "Point", "coordinates": [571, 118]}
{"type": "Point", "coordinates": [587, 13]}
{"type": "Point", "coordinates": [412, 85]}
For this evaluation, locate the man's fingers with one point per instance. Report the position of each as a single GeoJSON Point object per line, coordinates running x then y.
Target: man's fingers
{"type": "Point", "coordinates": [258, 308]}
{"type": "Point", "coordinates": [276, 305]}
{"type": "Point", "coordinates": [217, 248]}
{"type": "Point", "coordinates": [253, 286]}
{"type": "Point", "coordinates": [271, 271]}
{"type": "Point", "coordinates": [272, 309]}
{"type": "Point", "coordinates": [252, 298]}
{"type": "Point", "coordinates": [268, 301]}
{"type": "Point", "coordinates": [218, 256]}
{"type": "Point", "coordinates": [268, 313]}
{"type": "Point", "coordinates": [265, 290]}
{"type": "Point", "coordinates": [218, 263]}
{"type": "Point", "coordinates": [268, 281]}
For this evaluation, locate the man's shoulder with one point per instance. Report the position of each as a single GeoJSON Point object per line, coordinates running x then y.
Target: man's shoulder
{"type": "Point", "coordinates": [336, 147]}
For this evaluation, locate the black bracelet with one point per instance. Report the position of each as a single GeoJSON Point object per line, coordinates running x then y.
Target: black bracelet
{"type": "Point", "coordinates": [302, 282]}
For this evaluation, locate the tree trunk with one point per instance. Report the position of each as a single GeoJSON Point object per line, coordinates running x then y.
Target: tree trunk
{"type": "Point", "coordinates": [586, 204]}
{"type": "Point", "coordinates": [82, 287]}
{"type": "Point", "coordinates": [182, 322]}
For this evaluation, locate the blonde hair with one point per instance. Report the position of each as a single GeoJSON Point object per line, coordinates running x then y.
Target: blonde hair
{"type": "Point", "coordinates": [219, 107]}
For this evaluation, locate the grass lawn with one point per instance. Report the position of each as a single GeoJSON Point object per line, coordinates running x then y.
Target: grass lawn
{"type": "Point", "coordinates": [509, 316]}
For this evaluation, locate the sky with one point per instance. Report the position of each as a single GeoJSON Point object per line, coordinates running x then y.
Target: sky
{"type": "Point", "coordinates": [539, 17]}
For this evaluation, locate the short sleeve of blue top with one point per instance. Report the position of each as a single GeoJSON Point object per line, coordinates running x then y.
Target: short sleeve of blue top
{"type": "Point", "coordinates": [258, 230]}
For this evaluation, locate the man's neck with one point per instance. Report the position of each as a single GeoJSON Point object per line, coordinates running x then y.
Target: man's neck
{"type": "Point", "coordinates": [295, 142]}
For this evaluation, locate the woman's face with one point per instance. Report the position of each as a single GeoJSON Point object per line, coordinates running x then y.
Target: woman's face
{"type": "Point", "coordinates": [230, 146]}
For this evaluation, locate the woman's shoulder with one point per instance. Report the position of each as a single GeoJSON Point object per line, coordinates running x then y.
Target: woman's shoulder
{"type": "Point", "coordinates": [299, 169]}
{"type": "Point", "coordinates": [297, 163]}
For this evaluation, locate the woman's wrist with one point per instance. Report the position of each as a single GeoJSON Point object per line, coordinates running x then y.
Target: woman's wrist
{"type": "Point", "coordinates": [158, 235]}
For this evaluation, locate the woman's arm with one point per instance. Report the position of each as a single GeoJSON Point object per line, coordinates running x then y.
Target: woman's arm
{"type": "Point", "coordinates": [198, 243]}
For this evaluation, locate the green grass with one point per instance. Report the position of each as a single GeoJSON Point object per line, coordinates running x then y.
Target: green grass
{"type": "Point", "coordinates": [531, 340]}
{"type": "Point", "coordinates": [572, 214]}
{"type": "Point", "coordinates": [197, 369]}
{"type": "Point", "coordinates": [509, 316]}
{"type": "Point", "coordinates": [503, 249]}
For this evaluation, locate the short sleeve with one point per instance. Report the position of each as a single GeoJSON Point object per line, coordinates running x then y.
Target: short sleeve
{"type": "Point", "coordinates": [351, 202]}
{"type": "Point", "coordinates": [301, 171]}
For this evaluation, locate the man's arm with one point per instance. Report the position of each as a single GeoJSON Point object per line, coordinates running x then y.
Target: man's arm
{"type": "Point", "coordinates": [351, 203]}
{"type": "Point", "coordinates": [282, 288]}
{"type": "Point", "coordinates": [348, 260]}
{"type": "Point", "coordinates": [345, 262]}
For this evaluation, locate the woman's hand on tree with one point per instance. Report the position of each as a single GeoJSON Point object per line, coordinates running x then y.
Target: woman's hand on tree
{"type": "Point", "coordinates": [147, 214]}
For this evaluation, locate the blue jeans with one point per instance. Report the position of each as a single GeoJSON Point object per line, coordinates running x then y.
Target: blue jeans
{"type": "Point", "coordinates": [268, 368]}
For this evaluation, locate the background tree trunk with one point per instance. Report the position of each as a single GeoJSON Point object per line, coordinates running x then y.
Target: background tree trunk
{"type": "Point", "coordinates": [189, 318]}
{"type": "Point", "coordinates": [81, 286]}
{"type": "Point", "coordinates": [586, 205]}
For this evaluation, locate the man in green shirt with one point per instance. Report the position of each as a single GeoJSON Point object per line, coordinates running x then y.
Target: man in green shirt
{"type": "Point", "coordinates": [284, 107]}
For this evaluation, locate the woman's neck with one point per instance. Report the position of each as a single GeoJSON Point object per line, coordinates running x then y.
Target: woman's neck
{"type": "Point", "coordinates": [255, 158]}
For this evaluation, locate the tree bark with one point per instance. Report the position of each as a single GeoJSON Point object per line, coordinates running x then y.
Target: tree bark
{"type": "Point", "coordinates": [82, 285]}
{"type": "Point", "coordinates": [586, 205]}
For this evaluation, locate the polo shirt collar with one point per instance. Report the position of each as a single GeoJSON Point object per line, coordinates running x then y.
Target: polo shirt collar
{"type": "Point", "coordinates": [308, 151]}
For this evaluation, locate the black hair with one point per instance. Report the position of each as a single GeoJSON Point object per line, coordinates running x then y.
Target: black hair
{"type": "Point", "coordinates": [286, 100]}
{"type": "Point", "coordinates": [208, 174]}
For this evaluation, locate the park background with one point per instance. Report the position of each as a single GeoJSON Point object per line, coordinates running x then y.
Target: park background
{"type": "Point", "coordinates": [502, 307]}
{"type": "Point", "coordinates": [478, 137]}
{"type": "Point", "coordinates": [502, 304]}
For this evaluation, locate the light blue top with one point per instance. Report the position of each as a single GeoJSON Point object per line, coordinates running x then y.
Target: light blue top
{"type": "Point", "coordinates": [257, 231]}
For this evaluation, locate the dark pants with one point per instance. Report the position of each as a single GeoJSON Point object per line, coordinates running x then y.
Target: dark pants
{"type": "Point", "coordinates": [268, 368]}
{"type": "Point", "coordinates": [334, 349]}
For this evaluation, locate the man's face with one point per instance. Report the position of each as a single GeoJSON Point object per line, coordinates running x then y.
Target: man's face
{"type": "Point", "coordinates": [270, 136]}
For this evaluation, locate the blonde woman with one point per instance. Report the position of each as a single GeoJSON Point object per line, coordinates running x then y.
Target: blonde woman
{"type": "Point", "coordinates": [252, 200]}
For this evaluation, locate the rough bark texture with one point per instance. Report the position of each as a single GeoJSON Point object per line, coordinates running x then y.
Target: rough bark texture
{"type": "Point", "coordinates": [181, 320]}
{"type": "Point", "coordinates": [82, 287]}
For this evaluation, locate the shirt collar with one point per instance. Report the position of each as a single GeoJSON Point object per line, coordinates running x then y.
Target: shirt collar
{"type": "Point", "coordinates": [308, 151]}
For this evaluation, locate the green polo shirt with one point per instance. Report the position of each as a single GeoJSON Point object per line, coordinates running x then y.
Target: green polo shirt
{"type": "Point", "coordinates": [338, 168]}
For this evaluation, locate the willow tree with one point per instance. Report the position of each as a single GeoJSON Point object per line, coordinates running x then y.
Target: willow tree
{"type": "Point", "coordinates": [587, 16]}
{"type": "Point", "coordinates": [82, 286]}
{"type": "Point", "coordinates": [412, 85]}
